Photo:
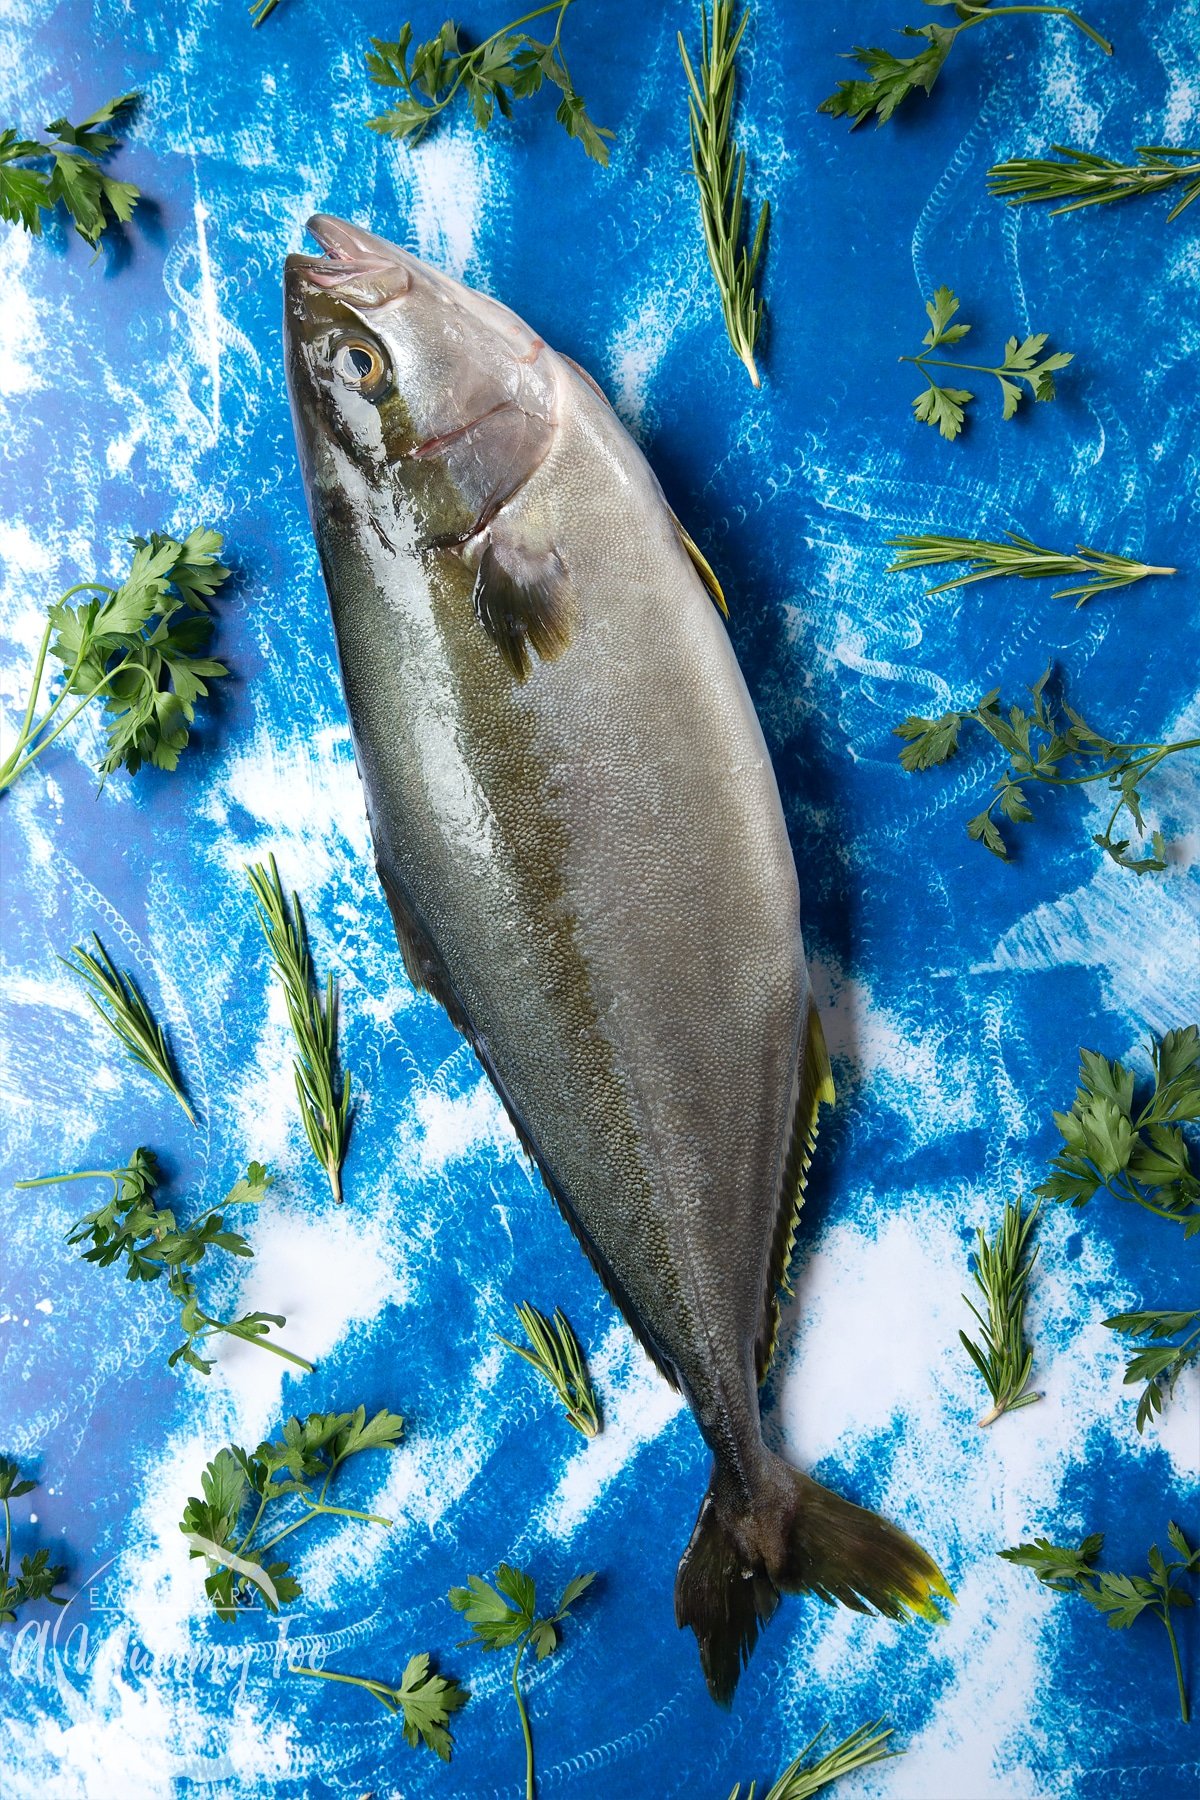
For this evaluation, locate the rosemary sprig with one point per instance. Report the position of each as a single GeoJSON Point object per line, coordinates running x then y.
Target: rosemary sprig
{"type": "Point", "coordinates": [509, 65]}
{"type": "Point", "coordinates": [1002, 1270]}
{"type": "Point", "coordinates": [130, 1019]}
{"type": "Point", "coordinates": [891, 79]}
{"type": "Point", "coordinates": [1085, 179]}
{"type": "Point", "coordinates": [720, 172]}
{"type": "Point", "coordinates": [556, 1353]}
{"type": "Point", "coordinates": [507, 1619]}
{"type": "Point", "coordinates": [944, 406]}
{"type": "Point", "coordinates": [1123, 1598]}
{"type": "Point", "coordinates": [323, 1092]}
{"type": "Point", "coordinates": [424, 1698]}
{"type": "Point", "coordinates": [1161, 1364]}
{"type": "Point", "coordinates": [1020, 556]}
{"type": "Point", "coordinates": [132, 1225]}
{"type": "Point", "coordinates": [35, 1579]}
{"type": "Point", "coordinates": [279, 1473]}
{"type": "Point", "coordinates": [1122, 767]}
{"type": "Point", "coordinates": [800, 1780]}
{"type": "Point", "coordinates": [1134, 1153]}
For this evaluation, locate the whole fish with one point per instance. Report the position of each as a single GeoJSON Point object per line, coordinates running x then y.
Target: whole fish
{"type": "Point", "coordinates": [579, 834]}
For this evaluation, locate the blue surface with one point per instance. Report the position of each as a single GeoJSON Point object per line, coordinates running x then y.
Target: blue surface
{"type": "Point", "coordinates": [147, 390]}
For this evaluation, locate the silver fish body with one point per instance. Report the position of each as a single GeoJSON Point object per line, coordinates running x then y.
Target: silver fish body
{"type": "Point", "coordinates": [580, 835]}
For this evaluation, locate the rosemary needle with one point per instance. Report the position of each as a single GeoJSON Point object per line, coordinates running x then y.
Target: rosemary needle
{"type": "Point", "coordinates": [323, 1092]}
{"type": "Point", "coordinates": [720, 172]}
{"type": "Point", "coordinates": [556, 1353]}
{"type": "Point", "coordinates": [130, 1019]}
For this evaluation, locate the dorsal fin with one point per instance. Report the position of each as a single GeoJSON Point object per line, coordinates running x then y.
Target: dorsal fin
{"type": "Point", "coordinates": [815, 1090]}
{"type": "Point", "coordinates": [702, 567]}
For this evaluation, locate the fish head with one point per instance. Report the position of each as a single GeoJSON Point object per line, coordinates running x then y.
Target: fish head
{"type": "Point", "coordinates": [411, 393]}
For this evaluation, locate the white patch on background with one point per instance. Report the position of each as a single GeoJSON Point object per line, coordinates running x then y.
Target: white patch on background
{"type": "Point", "coordinates": [926, 1078]}
{"type": "Point", "coordinates": [637, 1406]}
{"type": "Point", "coordinates": [305, 795]}
{"type": "Point", "coordinates": [447, 185]}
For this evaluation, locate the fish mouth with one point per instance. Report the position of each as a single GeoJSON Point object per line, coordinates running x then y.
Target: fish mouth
{"type": "Point", "coordinates": [351, 257]}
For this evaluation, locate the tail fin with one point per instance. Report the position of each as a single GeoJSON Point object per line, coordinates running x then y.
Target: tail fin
{"type": "Point", "coordinates": [795, 1537]}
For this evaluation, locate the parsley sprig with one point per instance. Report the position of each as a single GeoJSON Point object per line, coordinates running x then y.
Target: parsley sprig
{"type": "Point", "coordinates": [92, 198]}
{"type": "Point", "coordinates": [1040, 742]}
{"type": "Point", "coordinates": [423, 1698]}
{"type": "Point", "coordinates": [891, 79]}
{"type": "Point", "coordinates": [1135, 1153]}
{"type": "Point", "coordinates": [720, 171]}
{"type": "Point", "coordinates": [130, 1019]}
{"type": "Point", "coordinates": [507, 1619]}
{"type": "Point", "coordinates": [1085, 179]}
{"type": "Point", "coordinates": [509, 65]}
{"type": "Point", "coordinates": [35, 1579]}
{"type": "Point", "coordinates": [985, 559]}
{"type": "Point", "coordinates": [138, 650]}
{"type": "Point", "coordinates": [132, 1227]}
{"type": "Point", "coordinates": [1161, 1364]}
{"type": "Point", "coordinates": [556, 1353]}
{"type": "Point", "coordinates": [322, 1090]}
{"type": "Point", "coordinates": [1023, 362]}
{"type": "Point", "coordinates": [800, 1780]}
{"type": "Point", "coordinates": [280, 1474]}
{"type": "Point", "coordinates": [1122, 1598]}
{"type": "Point", "coordinates": [1001, 1272]}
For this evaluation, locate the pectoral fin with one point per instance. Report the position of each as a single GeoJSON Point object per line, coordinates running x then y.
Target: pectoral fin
{"type": "Point", "coordinates": [523, 600]}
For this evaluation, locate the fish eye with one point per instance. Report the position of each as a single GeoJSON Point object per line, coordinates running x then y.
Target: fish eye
{"type": "Point", "coordinates": [359, 364]}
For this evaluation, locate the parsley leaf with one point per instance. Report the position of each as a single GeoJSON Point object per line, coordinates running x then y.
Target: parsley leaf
{"type": "Point", "coordinates": [1161, 1365]}
{"type": "Point", "coordinates": [280, 1472]}
{"type": "Point", "coordinates": [1023, 362]}
{"type": "Point", "coordinates": [1056, 751]}
{"type": "Point", "coordinates": [132, 1226]}
{"type": "Point", "coordinates": [1134, 1153]}
{"type": "Point", "coordinates": [508, 65]}
{"type": "Point", "coordinates": [505, 1617]}
{"type": "Point", "coordinates": [35, 1578]}
{"type": "Point", "coordinates": [891, 79]}
{"type": "Point", "coordinates": [1121, 1598]}
{"type": "Point", "coordinates": [139, 650]}
{"type": "Point", "coordinates": [424, 1699]}
{"type": "Point", "coordinates": [92, 198]}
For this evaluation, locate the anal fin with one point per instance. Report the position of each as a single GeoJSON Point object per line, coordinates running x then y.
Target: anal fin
{"type": "Point", "coordinates": [815, 1090]}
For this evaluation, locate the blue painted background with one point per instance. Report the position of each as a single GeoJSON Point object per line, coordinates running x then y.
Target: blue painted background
{"type": "Point", "coordinates": [146, 390]}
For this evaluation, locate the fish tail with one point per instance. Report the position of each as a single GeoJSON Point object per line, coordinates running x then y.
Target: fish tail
{"type": "Point", "coordinates": [793, 1536]}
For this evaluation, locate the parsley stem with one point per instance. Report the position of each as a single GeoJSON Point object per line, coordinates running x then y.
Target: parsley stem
{"type": "Point", "coordinates": [75, 1175]}
{"type": "Point", "coordinates": [983, 13]}
{"type": "Point", "coordinates": [263, 1343]}
{"type": "Point", "coordinates": [344, 1512]}
{"type": "Point", "coordinates": [1184, 1712]}
{"type": "Point", "coordinates": [526, 1733]}
{"type": "Point", "coordinates": [944, 362]}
